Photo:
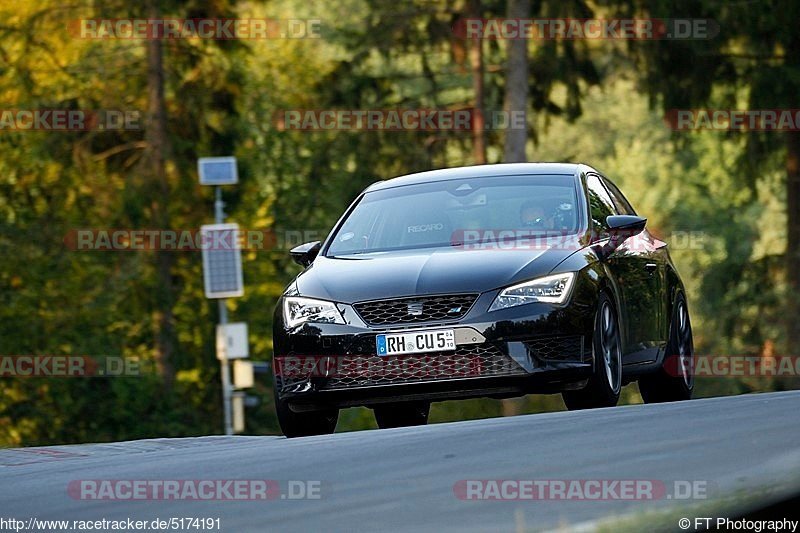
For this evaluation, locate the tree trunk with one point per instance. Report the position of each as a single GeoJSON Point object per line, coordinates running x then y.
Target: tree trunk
{"type": "Point", "coordinates": [793, 213]}
{"type": "Point", "coordinates": [516, 104]}
{"type": "Point", "coordinates": [516, 98]}
{"type": "Point", "coordinates": [476, 64]}
{"type": "Point", "coordinates": [793, 239]}
{"type": "Point", "coordinates": [154, 165]}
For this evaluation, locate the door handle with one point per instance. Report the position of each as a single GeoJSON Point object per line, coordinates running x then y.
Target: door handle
{"type": "Point", "coordinates": [651, 267]}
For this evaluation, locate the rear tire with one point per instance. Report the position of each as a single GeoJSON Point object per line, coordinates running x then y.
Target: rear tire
{"type": "Point", "coordinates": [304, 424]}
{"type": "Point", "coordinates": [604, 386]}
{"type": "Point", "coordinates": [397, 415]}
{"type": "Point", "coordinates": [674, 381]}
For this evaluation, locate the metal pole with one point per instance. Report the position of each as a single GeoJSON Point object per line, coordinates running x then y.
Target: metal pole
{"type": "Point", "coordinates": [225, 373]}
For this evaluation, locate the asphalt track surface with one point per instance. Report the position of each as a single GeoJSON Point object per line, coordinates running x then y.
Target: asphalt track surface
{"type": "Point", "coordinates": [403, 479]}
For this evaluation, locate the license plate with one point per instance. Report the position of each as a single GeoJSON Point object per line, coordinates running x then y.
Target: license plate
{"type": "Point", "coordinates": [439, 340]}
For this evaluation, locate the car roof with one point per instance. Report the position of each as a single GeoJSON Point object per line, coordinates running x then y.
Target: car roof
{"type": "Point", "coordinates": [478, 171]}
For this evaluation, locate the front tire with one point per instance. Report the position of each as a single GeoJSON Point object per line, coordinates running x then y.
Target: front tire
{"type": "Point", "coordinates": [304, 424]}
{"type": "Point", "coordinates": [604, 386]}
{"type": "Point", "coordinates": [674, 381]}
{"type": "Point", "coordinates": [402, 414]}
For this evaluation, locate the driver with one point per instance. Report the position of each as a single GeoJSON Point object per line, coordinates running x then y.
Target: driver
{"type": "Point", "coordinates": [532, 214]}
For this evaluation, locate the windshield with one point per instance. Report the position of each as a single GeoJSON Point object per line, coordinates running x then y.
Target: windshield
{"type": "Point", "coordinates": [447, 213]}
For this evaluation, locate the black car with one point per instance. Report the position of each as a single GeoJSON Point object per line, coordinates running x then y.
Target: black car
{"type": "Point", "coordinates": [484, 281]}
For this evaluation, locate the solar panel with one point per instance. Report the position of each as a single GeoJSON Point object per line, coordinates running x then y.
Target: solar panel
{"type": "Point", "coordinates": [217, 170]}
{"type": "Point", "coordinates": [222, 261]}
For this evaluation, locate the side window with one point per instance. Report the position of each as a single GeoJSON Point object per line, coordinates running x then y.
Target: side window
{"type": "Point", "coordinates": [600, 204]}
{"type": "Point", "coordinates": [623, 206]}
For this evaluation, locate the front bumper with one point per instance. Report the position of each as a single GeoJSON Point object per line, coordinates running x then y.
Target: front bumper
{"type": "Point", "coordinates": [530, 348]}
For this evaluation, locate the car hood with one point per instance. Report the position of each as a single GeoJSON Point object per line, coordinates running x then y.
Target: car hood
{"type": "Point", "coordinates": [450, 270]}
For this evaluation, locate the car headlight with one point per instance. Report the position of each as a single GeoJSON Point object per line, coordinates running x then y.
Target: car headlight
{"type": "Point", "coordinates": [297, 310]}
{"type": "Point", "coordinates": [551, 289]}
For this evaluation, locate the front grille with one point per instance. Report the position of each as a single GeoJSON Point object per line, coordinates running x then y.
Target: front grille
{"type": "Point", "coordinates": [562, 348]}
{"type": "Point", "coordinates": [468, 361]}
{"type": "Point", "coordinates": [415, 309]}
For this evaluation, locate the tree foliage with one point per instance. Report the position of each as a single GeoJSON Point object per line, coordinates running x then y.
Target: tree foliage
{"type": "Point", "coordinates": [587, 101]}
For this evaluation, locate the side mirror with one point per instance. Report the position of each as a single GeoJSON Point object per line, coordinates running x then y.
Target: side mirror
{"type": "Point", "coordinates": [305, 253]}
{"type": "Point", "coordinates": [621, 227]}
{"type": "Point", "coordinates": [627, 225]}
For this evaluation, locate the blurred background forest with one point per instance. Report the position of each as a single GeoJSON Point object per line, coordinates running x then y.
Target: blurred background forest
{"type": "Point", "coordinates": [720, 197]}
